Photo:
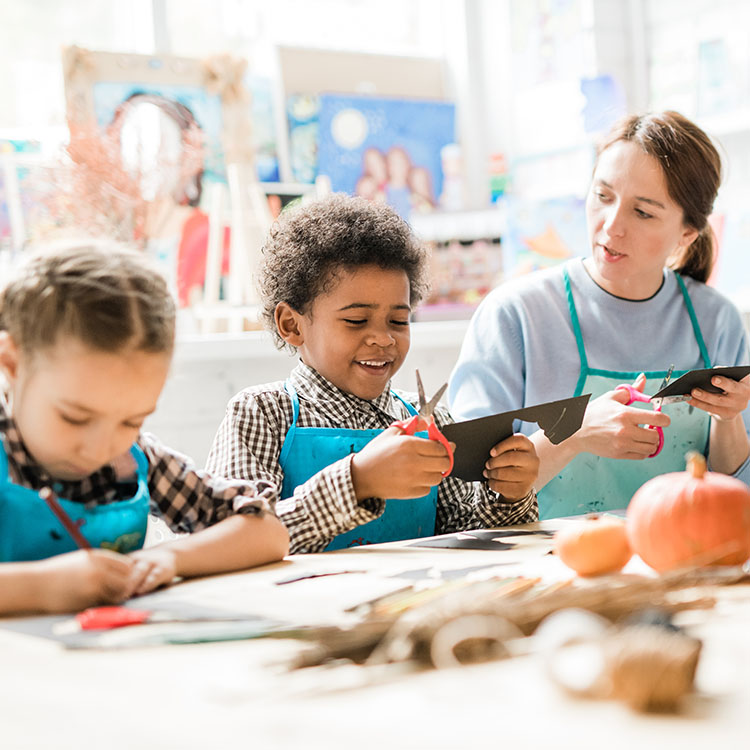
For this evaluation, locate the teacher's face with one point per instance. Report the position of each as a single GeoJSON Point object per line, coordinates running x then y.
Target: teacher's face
{"type": "Point", "coordinates": [634, 226]}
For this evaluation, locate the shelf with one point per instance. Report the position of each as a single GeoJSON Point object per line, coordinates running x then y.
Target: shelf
{"type": "Point", "coordinates": [459, 225]}
{"type": "Point", "coordinates": [286, 188]}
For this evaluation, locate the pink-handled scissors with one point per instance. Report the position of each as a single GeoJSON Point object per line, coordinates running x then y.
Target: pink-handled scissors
{"type": "Point", "coordinates": [635, 395]}
{"type": "Point", "coordinates": [425, 414]}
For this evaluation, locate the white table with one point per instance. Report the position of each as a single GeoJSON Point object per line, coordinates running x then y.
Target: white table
{"type": "Point", "coordinates": [236, 694]}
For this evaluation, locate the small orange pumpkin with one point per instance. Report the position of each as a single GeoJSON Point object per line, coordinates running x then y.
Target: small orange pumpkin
{"type": "Point", "coordinates": [594, 546]}
{"type": "Point", "coordinates": [690, 518]}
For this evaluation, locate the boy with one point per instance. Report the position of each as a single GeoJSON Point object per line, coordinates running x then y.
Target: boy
{"type": "Point", "coordinates": [339, 281]}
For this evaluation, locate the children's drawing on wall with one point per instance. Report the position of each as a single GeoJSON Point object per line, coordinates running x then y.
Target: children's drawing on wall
{"type": "Point", "coordinates": [543, 233]}
{"type": "Point", "coordinates": [302, 112]}
{"type": "Point", "coordinates": [264, 128]}
{"type": "Point", "coordinates": [25, 194]}
{"type": "Point", "coordinates": [170, 139]}
{"type": "Point", "coordinates": [196, 104]}
{"type": "Point", "coordinates": [385, 149]}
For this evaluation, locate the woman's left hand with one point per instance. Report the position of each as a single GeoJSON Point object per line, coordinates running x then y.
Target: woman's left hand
{"type": "Point", "coordinates": [723, 406]}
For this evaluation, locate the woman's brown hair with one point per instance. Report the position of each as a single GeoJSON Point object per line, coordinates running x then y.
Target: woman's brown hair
{"type": "Point", "coordinates": [692, 170]}
{"type": "Point", "coordinates": [108, 298]}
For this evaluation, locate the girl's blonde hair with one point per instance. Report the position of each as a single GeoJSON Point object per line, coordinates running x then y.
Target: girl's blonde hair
{"type": "Point", "coordinates": [108, 298]}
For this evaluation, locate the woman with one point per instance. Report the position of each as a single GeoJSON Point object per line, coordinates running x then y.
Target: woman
{"type": "Point", "coordinates": [637, 305]}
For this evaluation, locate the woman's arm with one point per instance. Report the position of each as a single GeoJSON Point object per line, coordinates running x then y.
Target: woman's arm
{"type": "Point", "coordinates": [729, 445]}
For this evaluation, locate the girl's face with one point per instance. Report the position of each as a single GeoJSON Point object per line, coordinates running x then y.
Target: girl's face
{"type": "Point", "coordinates": [78, 408]}
{"type": "Point", "coordinates": [357, 334]}
{"type": "Point", "coordinates": [634, 226]}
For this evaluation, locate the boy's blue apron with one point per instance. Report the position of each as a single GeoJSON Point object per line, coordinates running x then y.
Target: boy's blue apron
{"type": "Point", "coordinates": [591, 483]}
{"type": "Point", "coordinates": [29, 530]}
{"type": "Point", "coordinates": [307, 450]}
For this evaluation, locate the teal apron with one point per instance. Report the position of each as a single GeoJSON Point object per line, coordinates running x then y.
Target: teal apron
{"type": "Point", "coordinates": [307, 450]}
{"type": "Point", "coordinates": [29, 530]}
{"type": "Point", "coordinates": [591, 483]}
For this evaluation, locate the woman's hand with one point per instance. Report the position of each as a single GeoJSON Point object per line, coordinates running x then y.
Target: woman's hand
{"type": "Point", "coordinates": [513, 467]}
{"type": "Point", "coordinates": [613, 430]}
{"type": "Point", "coordinates": [723, 406]}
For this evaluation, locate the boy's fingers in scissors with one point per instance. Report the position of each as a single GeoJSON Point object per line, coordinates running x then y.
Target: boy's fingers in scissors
{"type": "Point", "coordinates": [428, 448]}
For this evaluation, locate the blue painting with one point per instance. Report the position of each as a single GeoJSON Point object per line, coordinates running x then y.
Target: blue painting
{"type": "Point", "coordinates": [264, 128]}
{"type": "Point", "coordinates": [194, 105]}
{"type": "Point", "coordinates": [302, 116]}
{"type": "Point", "coordinates": [385, 149]}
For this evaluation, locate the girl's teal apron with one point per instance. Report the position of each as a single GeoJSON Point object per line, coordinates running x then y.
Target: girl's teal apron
{"type": "Point", "coordinates": [591, 483]}
{"type": "Point", "coordinates": [307, 450]}
{"type": "Point", "coordinates": [29, 530]}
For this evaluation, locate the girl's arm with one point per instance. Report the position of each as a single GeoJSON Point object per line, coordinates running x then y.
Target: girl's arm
{"type": "Point", "coordinates": [238, 542]}
{"type": "Point", "coordinates": [247, 446]}
{"type": "Point", "coordinates": [66, 583]}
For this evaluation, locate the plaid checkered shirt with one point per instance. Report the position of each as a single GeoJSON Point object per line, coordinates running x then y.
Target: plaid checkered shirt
{"type": "Point", "coordinates": [248, 444]}
{"type": "Point", "coordinates": [186, 499]}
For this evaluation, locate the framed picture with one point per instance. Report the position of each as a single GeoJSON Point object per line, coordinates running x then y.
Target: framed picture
{"type": "Point", "coordinates": [161, 130]}
{"type": "Point", "coordinates": [385, 149]}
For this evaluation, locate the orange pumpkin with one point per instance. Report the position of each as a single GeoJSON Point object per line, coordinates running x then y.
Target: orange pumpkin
{"type": "Point", "coordinates": [690, 518]}
{"type": "Point", "coordinates": [594, 546]}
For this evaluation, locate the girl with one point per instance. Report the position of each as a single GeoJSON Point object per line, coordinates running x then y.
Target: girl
{"type": "Point", "coordinates": [86, 338]}
{"type": "Point", "coordinates": [637, 305]}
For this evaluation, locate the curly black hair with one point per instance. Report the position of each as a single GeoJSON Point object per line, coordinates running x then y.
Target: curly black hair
{"type": "Point", "coordinates": [309, 245]}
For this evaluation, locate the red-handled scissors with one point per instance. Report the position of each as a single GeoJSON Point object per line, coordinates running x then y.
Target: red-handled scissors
{"type": "Point", "coordinates": [425, 414]}
{"type": "Point", "coordinates": [635, 395]}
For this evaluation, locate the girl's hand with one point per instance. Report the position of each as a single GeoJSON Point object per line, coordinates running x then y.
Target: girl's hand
{"type": "Point", "coordinates": [513, 467]}
{"type": "Point", "coordinates": [613, 430]}
{"type": "Point", "coordinates": [153, 567]}
{"type": "Point", "coordinates": [395, 465]}
{"type": "Point", "coordinates": [723, 406]}
{"type": "Point", "coordinates": [81, 579]}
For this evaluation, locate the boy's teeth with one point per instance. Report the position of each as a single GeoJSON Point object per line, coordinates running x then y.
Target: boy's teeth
{"type": "Point", "coordinates": [372, 364]}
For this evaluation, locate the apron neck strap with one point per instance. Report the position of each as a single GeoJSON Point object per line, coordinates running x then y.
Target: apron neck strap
{"type": "Point", "coordinates": [576, 327]}
{"type": "Point", "coordinates": [694, 321]}
{"type": "Point", "coordinates": [412, 411]}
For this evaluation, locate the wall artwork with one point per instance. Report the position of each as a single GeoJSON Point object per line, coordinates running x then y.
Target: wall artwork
{"type": "Point", "coordinates": [543, 233]}
{"type": "Point", "coordinates": [302, 111]}
{"type": "Point", "coordinates": [149, 134]}
{"type": "Point", "coordinates": [385, 149]}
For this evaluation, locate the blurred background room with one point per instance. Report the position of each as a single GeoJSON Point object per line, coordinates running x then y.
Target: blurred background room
{"type": "Point", "coordinates": [184, 127]}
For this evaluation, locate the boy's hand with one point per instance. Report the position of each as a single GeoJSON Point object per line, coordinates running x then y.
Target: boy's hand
{"type": "Point", "coordinates": [395, 465]}
{"type": "Point", "coordinates": [513, 467]}
{"type": "Point", "coordinates": [154, 567]}
{"type": "Point", "coordinates": [85, 578]}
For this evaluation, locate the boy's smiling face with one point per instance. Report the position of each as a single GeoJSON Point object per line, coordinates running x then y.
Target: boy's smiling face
{"type": "Point", "coordinates": [356, 334]}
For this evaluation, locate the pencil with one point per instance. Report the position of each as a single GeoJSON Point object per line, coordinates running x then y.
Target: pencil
{"type": "Point", "coordinates": [50, 498]}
